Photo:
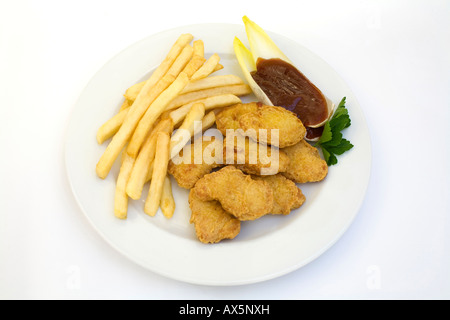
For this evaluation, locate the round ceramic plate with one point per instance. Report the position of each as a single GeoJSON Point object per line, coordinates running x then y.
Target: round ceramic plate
{"type": "Point", "coordinates": [265, 248]}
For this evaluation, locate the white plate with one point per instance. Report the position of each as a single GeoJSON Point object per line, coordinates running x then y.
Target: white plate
{"type": "Point", "coordinates": [266, 248]}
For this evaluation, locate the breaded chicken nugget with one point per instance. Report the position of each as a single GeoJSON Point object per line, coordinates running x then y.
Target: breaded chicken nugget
{"type": "Point", "coordinates": [286, 195]}
{"type": "Point", "coordinates": [187, 173]}
{"type": "Point", "coordinates": [228, 118]}
{"type": "Point", "coordinates": [290, 128]}
{"type": "Point", "coordinates": [279, 127]}
{"type": "Point", "coordinates": [305, 164]}
{"type": "Point", "coordinates": [239, 194]}
{"type": "Point", "coordinates": [212, 223]}
{"type": "Point", "coordinates": [254, 158]}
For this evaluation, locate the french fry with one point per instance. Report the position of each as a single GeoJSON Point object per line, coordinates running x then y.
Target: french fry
{"type": "Point", "coordinates": [160, 164]}
{"type": "Point", "coordinates": [212, 82]}
{"type": "Point", "coordinates": [181, 62]}
{"type": "Point", "coordinates": [218, 67]}
{"type": "Point", "coordinates": [150, 172]}
{"type": "Point", "coordinates": [238, 90]}
{"type": "Point", "coordinates": [154, 111]}
{"type": "Point", "coordinates": [132, 92]}
{"type": "Point", "coordinates": [199, 48]}
{"type": "Point", "coordinates": [140, 169]}
{"type": "Point", "coordinates": [174, 52]}
{"type": "Point", "coordinates": [193, 65]}
{"type": "Point", "coordinates": [110, 127]}
{"type": "Point", "coordinates": [126, 130]}
{"type": "Point", "coordinates": [207, 68]}
{"type": "Point", "coordinates": [182, 41]}
{"type": "Point", "coordinates": [179, 114]}
{"type": "Point", "coordinates": [167, 203]}
{"type": "Point", "coordinates": [121, 197]}
{"type": "Point", "coordinates": [125, 105]}
{"type": "Point", "coordinates": [210, 103]}
{"type": "Point", "coordinates": [146, 155]}
{"type": "Point", "coordinates": [145, 97]}
{"type": "Point", "coordinates": [165, 115]}
{"type": "Point", "coordinates": [179, 138]}
{"type": "Point", "coordinates": [122, 156]}
{"type": "Point", "coordinates": [208, 120]}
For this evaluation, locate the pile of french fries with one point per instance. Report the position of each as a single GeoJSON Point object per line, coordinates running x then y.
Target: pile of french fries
{"type": "Point", "coordinates": [143, 133]}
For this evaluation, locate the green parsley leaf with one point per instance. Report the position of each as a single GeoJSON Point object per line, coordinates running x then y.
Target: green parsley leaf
{"type": "Point", "coordinates": [335, 140]}
{"type": "Point", "coordinates": [332, 142]}
{"type": "Point", "coordinates": [340, 123]}
{"type": "Point", "coordinates": [345, 145]}
{"type": "Point", "coordinates": [329, 157]}
{"type": "Point", "coordinates": [327, 135]}
{"type": "Point", "coordinates": [340, 110]}
{"type": "Point", "coordinates": [326, 155]}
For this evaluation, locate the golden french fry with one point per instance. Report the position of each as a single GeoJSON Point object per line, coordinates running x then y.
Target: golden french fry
{"type": "Point", "coordinates": [238, 90]}
{"type": "Point", "coordinates": [125, 105]}
{"type": "Point", "coordinates": [220, 101]}
{"type": "Point", "coordinates": [159, 173]}
{"type": "Point", "coordinates": [179, 64]}
{"type": "Point", "coordinates": [165, 115]}
{"type": "Point", "coordinates": [154, 111]}
{"type": "Point", "coordinates": [212, 82]}
{"type": "Point", "coordinates": [180, 138]}
{"type": "Point", "coordinates": [110, 127]}
{"type": "Point", "coordinates": [179, 114]}
{"type": "Point", "coordinates": [208, 120]}
{"type": "Point", "coordinates": [122, 157]}
{"type": "Point", "coordinates": [183, 62]}
{"type": "Point", "coordinates": [145, 157]}
{"type": "Point", "coordinates": [207, 68]}
{"type": "Point", "coordinates": [199, 48]}
{"type": "Point", "coordinates": [121, 197]}
{"type": "Point", "coordinates": [150, 172]}
{"type": "Point", "coordinates": [182, 41]}
{"type": "Point", "coordinates": [167, 202]}
{"type": "Point", "coordinates": [132, 92]}
{"type": "Point", "coordinates": [193, 65]}
{"type": "Point", "coordinates": [174, 52]}
{"type": "Point", "coordinates": [146, 96]}
{"type": "Point", "coordinates": [126, 130]}
{"type": "Point", "coordinates": [140, 169]}
{"type": "Point", "coordinates": [218, 67]}
{"type": "Point", "coordinates": [210, 103]}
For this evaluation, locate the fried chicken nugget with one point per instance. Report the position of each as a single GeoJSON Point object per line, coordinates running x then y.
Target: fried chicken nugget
{"type": "Point", "coordinates": [286, 195]}
{"type": "Point", "coordinates": [252, 117]}
{"type": "Point", "coordinates": [305, 164]}
{"type": "Point", "coordinates": [239, 194]}
{"type": "Point", "coordinates": [212, 223]}
{"type": "Point", "coordinates": [254, 158]}
{"type": "Point", "coordinates": [187, 173]}
{"type": "Point", "coordinates": [228, 117]}
{"type": "Point", "coordinates": [291, 129]}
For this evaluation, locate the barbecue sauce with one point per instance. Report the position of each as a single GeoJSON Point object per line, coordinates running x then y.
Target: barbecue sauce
{"type": "Point", "coordinates": [287, 87]}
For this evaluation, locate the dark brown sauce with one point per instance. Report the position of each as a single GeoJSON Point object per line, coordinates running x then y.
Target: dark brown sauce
{"type": "Point", "coordinates": [287, 87]}
{"type": "Point", "coordinates": [312, 133]}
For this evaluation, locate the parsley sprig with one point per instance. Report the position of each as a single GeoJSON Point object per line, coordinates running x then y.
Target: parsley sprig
{"type": "Point", "coordinates": [332, 142]}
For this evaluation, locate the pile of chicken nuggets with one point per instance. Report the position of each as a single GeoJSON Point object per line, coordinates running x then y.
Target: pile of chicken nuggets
{"type": "Point", "coordinates": [240, 183]}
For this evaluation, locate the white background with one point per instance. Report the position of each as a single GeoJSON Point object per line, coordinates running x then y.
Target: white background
{"type": "Point", "coordinates": [395, 55]}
